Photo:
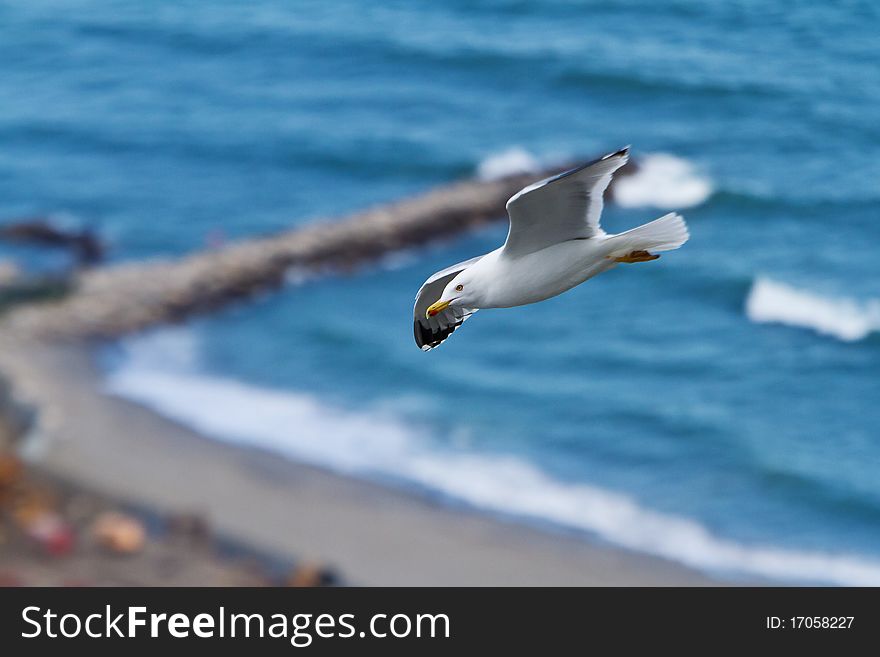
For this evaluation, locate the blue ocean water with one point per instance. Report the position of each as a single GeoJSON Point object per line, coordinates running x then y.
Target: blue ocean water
{"type": "Point", "coordinates": [718, 407]}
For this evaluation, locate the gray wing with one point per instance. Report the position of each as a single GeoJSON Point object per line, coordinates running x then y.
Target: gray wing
{"type": "Point", "coordinates": [431, 331]}
{"type": "Point", "coordinates": [561, 208]}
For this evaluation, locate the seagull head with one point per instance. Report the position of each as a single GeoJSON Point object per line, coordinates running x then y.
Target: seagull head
{"type": "Point", "coordinates": [463, 291]}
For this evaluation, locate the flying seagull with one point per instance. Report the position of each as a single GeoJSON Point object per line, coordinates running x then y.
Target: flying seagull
{"type": "Point", "coordinates": [554, 243]}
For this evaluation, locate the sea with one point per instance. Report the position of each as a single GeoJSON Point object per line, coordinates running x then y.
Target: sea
{"type": "Point", "coordinates": [719, 407]}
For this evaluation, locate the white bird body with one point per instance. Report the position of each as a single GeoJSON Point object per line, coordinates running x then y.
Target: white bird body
{"type": "Point", "coordinates": [555, 243]}
{"type": "Point", "coordinates": [534, 277]}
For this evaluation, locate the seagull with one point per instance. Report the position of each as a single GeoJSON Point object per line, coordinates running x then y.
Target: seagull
{"type": "Point", "coordinates": [554, 243]}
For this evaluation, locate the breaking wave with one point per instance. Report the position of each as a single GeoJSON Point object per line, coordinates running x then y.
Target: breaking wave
{"type": "Point", "coordinates": [507, 163]}
{"type": "Point", "coordinates": [662, 181]}
{"type": "Point", "coordinates": [845, 319]}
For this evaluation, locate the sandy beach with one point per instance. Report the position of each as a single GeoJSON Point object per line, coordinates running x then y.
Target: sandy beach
{"type": "Point", "coordinates": [373, 535]}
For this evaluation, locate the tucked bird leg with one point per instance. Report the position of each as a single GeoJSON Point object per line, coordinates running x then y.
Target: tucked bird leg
{"type": "Point", "coordinates": [637, 256]}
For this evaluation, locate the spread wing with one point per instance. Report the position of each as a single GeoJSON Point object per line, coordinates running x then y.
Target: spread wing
{"type": "Point", "coordinates": [561, 208]}
{"type": "Point", "coordinates": [431, 331]}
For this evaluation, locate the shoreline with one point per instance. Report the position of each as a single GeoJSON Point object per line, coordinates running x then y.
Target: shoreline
{"type": "Point", "coordinates": [372, 534]}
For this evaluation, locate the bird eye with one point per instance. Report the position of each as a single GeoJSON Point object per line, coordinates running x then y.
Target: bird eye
{"type": "Point", "coordinates": [459, 288]}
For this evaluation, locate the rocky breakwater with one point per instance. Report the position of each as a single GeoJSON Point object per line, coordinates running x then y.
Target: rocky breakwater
{"type": "Point", "coordinates": [111, 301]}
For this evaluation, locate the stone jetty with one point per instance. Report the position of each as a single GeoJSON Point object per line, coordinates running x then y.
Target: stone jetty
{"type": "Point", "coordinates": [111, 301]}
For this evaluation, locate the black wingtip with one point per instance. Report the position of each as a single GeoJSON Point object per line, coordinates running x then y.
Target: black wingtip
{"type": "Point", "coordinates": [559, 176]}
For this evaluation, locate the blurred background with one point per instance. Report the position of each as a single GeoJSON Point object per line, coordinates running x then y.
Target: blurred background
{"type": "Point", "coordinates": [716, 409]}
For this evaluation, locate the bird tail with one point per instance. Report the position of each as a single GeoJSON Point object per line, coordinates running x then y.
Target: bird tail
{"type": "Point", "coordinates": [664, 234]}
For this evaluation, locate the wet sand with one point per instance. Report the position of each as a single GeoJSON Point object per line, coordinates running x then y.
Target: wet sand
{"type": "Point", "coordinates": [372, 534]}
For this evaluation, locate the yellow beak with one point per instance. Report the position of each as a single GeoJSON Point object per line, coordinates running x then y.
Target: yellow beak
{"type": "Point", "coordinates": [435, 308]}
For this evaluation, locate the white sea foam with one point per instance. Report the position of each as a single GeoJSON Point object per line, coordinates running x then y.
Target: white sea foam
{"type": "Point", "coordinates": [399, 259]}
{"type": "Point", "coordinates": [508, 162]}
{"type": "Point", "coordinates": [662, 181]}
{"type": "Point", "coordinates": [159, 372]}
{"type": "Point", "coordinates": [845, 319]}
